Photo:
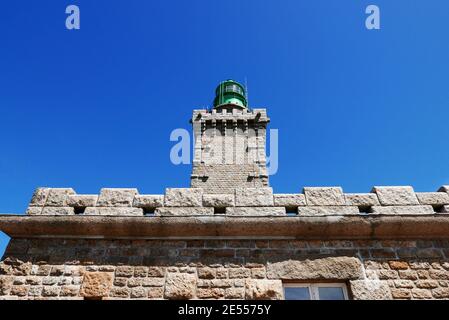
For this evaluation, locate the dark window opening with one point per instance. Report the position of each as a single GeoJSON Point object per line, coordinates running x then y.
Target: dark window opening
{"type": "Point", "coordinates": [365, 209]}
{"type": "Point", "coordinates": [149, 211]}
{"type": "Point", "coordinates": [438, 209]}
{"type": "Point", "coordinates": [291, 211]}
{"type": "Point", "coordinates": [79, 210]}
{"type": "Point", "coordinates": [219, 210]}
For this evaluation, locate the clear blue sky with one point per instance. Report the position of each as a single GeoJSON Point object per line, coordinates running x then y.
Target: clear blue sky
{"type": "Point", "coordinates": [94, 108]}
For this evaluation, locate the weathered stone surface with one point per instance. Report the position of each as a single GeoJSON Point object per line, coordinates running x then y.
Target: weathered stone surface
{"type": "Point", "coordinates": [396, 196]}
{"type": "Point", "coordinates": [210, 293]}
{"type": "Point", "coordinates": [324, 196]}
{"type": "Point", "coordinates": [332, 268]}
{"type": "Point", "coordinates": [180, 286]}
{"type": "Point", "coordinates": [327, 210]}
{"type": "Point", "coordinates": [370, 290]}
{"type": "Point", "coordinates": [421, 294]}
{"type": "Point", "coordinates": [35, 291]}
{"type": "Point", "coordinates": [19, 291]}
{"type": "Point", "coordinates": [109, 211]}
{"type": "Point", "coordinates": [57, 197]}
{"type": "Point", "coordinates": [218, 200]}
{"type": "Point", "coordinates": [153, 282]}
{"type": "Point", "coordinates": [361, 199]}
{"type": "Point", "coordinates": [441, 293]}
{"type": "Point", "coordinates": [183, 197]}
{"type": "Point", "coordinates": [124, 271]}
{"type": "Point", "coordinates": [254, 197]}
{"type": "Point", "coordinates": [137, 293]}
{"type": "Point", "coordinates": [122, 292]}
{"type": "Point", "coordinates": [402, 210]}
{"type": "Point", "coordinates": [206, 273]}
{"type": "Point", "coordinates": [34, 211]}
{"type": "Point", "coordinates": [82, 200]}
{"type": "Point", "coordinates": [57, 211]}
{"type": "Point", "coordinates": [39, 197]}
{"type": "Point", "coordinates": [433, 198]}
{"type": "Point", "coordinates": [263, 289]}
{"type": "Point", "coordinates": [255, 211]}
{"type": "Point", "coordinates": [148, 201]}
{"type": "Point", "coordinates": [69, 291]}
{"type": "Point", "coordinates": [96, 284]}
{"type": "Point", "coordinates": [156, 272]}
{"type": "Point", "coordinates": [5, 284]}
{"type": "Point", "coordinates": [444, 189]}
{"type": "Point", "coordinates": [184, 211]}
{"type": "Point", "coordinates": [116, 197]}
{"type": "Point", "coordinates": [289, 200]}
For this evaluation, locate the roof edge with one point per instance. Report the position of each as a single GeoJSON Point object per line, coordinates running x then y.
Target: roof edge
{"type": "Point", "coordinates": [304, 227]}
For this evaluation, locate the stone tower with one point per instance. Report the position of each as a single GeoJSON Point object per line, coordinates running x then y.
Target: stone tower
{"type": "Point", "coordinates": [230, 142]}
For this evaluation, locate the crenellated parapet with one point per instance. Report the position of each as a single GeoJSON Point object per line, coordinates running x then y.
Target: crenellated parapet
{"type": "Point", "coordinates": [313, 201]}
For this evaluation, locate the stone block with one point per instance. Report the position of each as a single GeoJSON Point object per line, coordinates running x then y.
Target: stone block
{"type": "Point", "coordinates": [148, 201]}
{"type": "Point", "coordinates": [396, 196]}
{"type": "Point", "coordinates": [327, 210]}
{"type": "Point", "coordinates": [361, 199]}
{"type": "Point", "coordinates": [110, 211]}
{"type": "Point", "coordinates": [50, 291]}
{"type": "Point", "coordinates": [184, 211]}
{"type": "Point", "coordinates": [34, 211]}
{"type": "Point", "coordinates": [441, 293]}
{"type": "Point", "coordinates": [370, 290]}
{"type": "Point", "coordinates": [57, 197]}
{"type": "Point", "coordinates": [180, 286]}
{"type": "Point", "coordinates": [433, 198]}
{"type": "Point", "coordinates": [153, 282]}
{"type": "Point", "coordinates": [263, 289]}
{"type": "Point", "coordinates": [96, 284]}
{"type": "Point", "coordinates": [82, 200]}
{"type": "Point", "coordinates": [324, 196]}
{"type": "Point", "coordinates": [254, 197]}
{"type": "Point", "coordinates": [5, 284]}
{"type": "Point", "coordinates": [402, 210]}
{"type": "Point", "coordinates": [255, 211]}
{"type": "Point", "coordinates": [39, 197]}
{"type": "Point", "coordinates": [116, 197]}
{"type": "Point", "coordinates": [124, 271]}
{"type": "Point", "coordinates": [57, 211]}
{"type": "Point", "coordinates": [289, 200]}
{"type": "Point", "coordinates": [183, 197]}
{"type": "Point", "coordinates": [121, 292]}
{"type": "Point", "coordinates": [69, 291]}
{"type": "Point", "coordinates": [218, 200]}
{"type": "Point", "coordinates": [331, 268]}
{"type": "Point", "coordinates": [137, 293]}
{"type": "Point", "coordinates": [206, 273]}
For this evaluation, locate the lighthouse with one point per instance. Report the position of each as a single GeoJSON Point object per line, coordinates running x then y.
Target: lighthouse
{"type": "Point", "coordinates": [229, 142]}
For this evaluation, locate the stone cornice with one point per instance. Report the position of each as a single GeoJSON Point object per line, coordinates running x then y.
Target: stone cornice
{"type": "Point", "coordinates": [303, 227]}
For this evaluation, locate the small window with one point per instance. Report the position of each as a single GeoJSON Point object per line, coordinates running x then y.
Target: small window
{"type": "Point", "coordinates": [315, 291]}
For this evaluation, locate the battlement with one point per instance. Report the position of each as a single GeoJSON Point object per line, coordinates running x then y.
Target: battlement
{"type": "Point", "coordinates": [251, 202]}
{"type": "Point", "coordinates": [224, 113]}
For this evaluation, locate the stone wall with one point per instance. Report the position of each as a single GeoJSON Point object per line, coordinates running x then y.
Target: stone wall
{"type": "Point", "coordinates": [314, 201]}
{"type": "Point", "coordinates": [221, 269]}
{"type": "Point", "coordinates": [229, 149]}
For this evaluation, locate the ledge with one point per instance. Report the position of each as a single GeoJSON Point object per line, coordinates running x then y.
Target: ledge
{"type": "Point", "coordinates": [304, 227]}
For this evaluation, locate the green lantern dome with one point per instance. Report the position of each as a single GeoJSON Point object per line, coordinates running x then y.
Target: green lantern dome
{"type": "Point", "coordinates": [230, 92]}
